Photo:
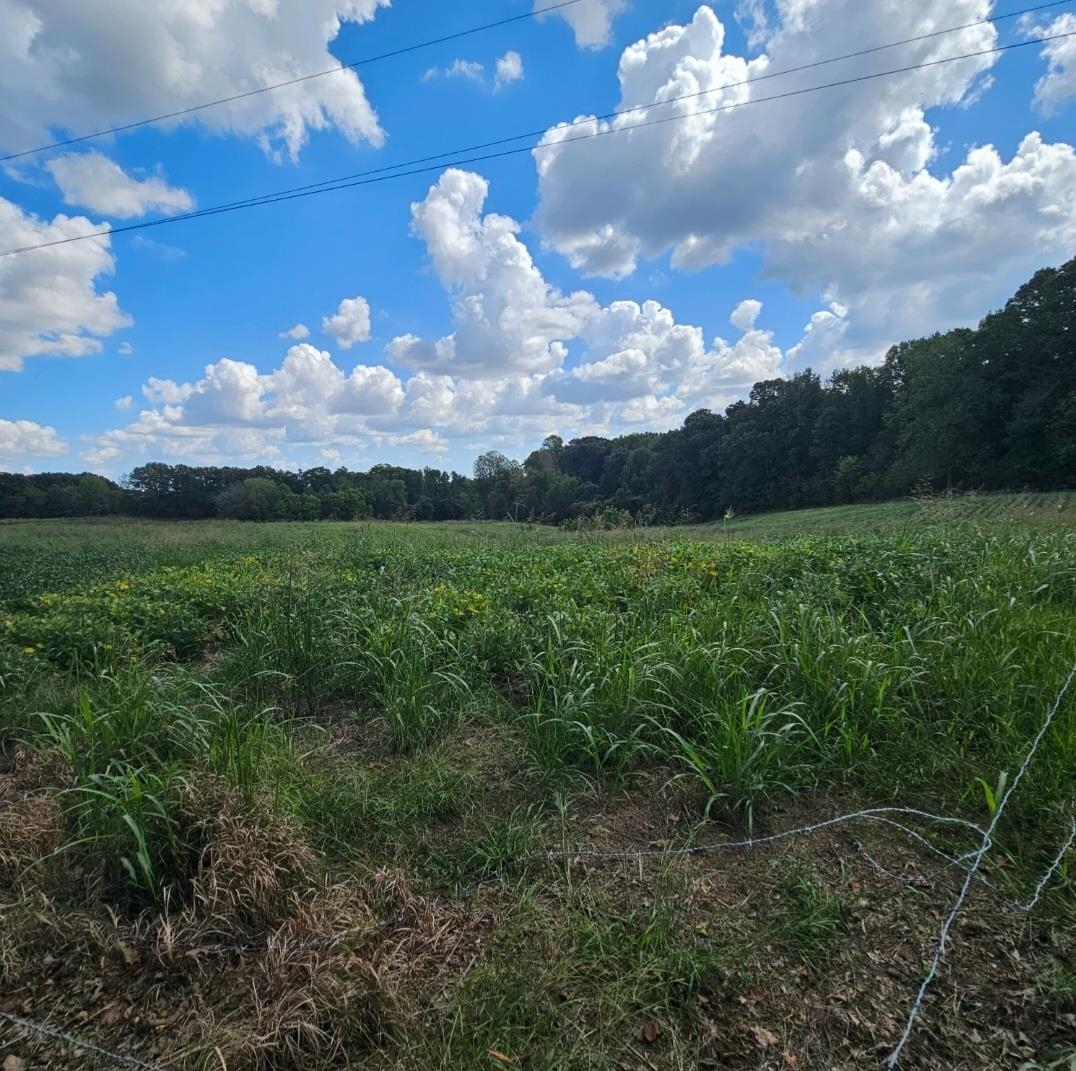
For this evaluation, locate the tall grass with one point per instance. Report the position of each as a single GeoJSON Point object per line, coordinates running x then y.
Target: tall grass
{"type": "Point", "coordinates": [911, 664]}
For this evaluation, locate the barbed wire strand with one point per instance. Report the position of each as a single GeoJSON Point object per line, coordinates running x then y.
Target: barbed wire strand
{"type": "Point", "coordinates": [1054, 867]}
{"type": "Point", "coordinates": [870, 814]}
{"type": "Point", "coordinates": [987, 842]}
{"type": "Point", "coordinates": [59, 1035]}
{"type": "Point", "coordinates": [164, 946]}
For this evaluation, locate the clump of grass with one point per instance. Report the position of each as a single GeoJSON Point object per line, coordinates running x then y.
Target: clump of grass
{"type": "Point", "coordinates": [593, 687]}
{"type": "Point", "coordinates": [808, 917]}
{"type": "Point", "coordinates": [131, 821]}
{"type": "Point", "coordinates": [131, 718]}
{"type": "Point", "coordinates": [489, 844]}
{"type": "Point", "coordinates": [408, 671]}
{"type": "Point", "coordinates": [354, 810]}
{"type": "Point", "coordinates": [568, 982]}
{"type": "Point", "coordinates": [741, 756]}
{"type": "Point", "coordinates": [281, 649]}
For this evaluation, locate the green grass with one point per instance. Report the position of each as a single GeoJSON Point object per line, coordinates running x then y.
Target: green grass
{"type": "Point", "coordinates": [437, 702]}
{"type": "Point", "coordinates": [1045, 509]}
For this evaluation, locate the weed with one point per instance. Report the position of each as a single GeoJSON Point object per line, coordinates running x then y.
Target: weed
{"type": "Point", "coordinates": [743, 756]}
{"type": "Point", "coordinates": [808, 919]}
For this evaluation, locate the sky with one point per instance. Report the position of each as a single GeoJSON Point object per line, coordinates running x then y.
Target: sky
{"type": "Point", "coordinates": [584, 285]}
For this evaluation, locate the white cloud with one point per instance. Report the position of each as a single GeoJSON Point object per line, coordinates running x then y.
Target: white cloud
{"type": "Point", "coordinates": [522, 358]}
{"type": "Point", "coordinates": [307, 400]}
{"type": "Point", "coordinates": [823, 338]}
{"type": "Point", "coordinates": [832, 189]}
{"type": "Point", "coordinates": [125, 349]}
{"type": "Point", "coordinates": [166, 391]}
{"type": "Point", "coordinates": [1058, 85]}
{"type": "Point", "coordinates": [524, 354]}
{"type": "Point", "coordinates": [591, 20]}
{"type": "Point", "coordinates": [296, 333]}
{"type": "Point", "coordinates": [49, 301]}
{"type": "Point", "coordinates": [20, 439]}
{"type": "Point", "coordinates": [124, 403]}
{"type": "Point", "coordinates": [350, 323]}
{"type": "Point", "coordinates": [466, 69]}
{"type": "Point", "coordinates": [509, 69]}
{"type": "Point", "coordinates": [91, 180]}
{"type": "Point", "coordinates": [507, 317]}
{"type": "Point", "coordinates": [71, 65]}
{"type": "Point", "coordinates": [745, 314]}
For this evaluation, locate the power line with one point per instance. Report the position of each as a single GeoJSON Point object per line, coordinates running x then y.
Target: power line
{"type": "Point", "coordinates": [245, 202]}
{"type": "Point", "coordinates": [295, 81]}
{"type": "Point", "coordinates": [372, 178]}
{"type": "Point", "coordinates": [251, 201]}
{"type": "Point", "coordinates": [516, 18]}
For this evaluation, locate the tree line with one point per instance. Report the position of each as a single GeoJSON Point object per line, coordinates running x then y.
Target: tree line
{"type": "Point", "coordinates": [988, 409]}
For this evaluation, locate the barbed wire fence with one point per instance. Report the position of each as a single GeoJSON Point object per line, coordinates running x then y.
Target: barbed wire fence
{"type": "Point", "coordinates": [969, 864]}
{"type": "Point", "coordinates": [41, 1030]}
{"type": "Point", "coordinates": [984, 847]}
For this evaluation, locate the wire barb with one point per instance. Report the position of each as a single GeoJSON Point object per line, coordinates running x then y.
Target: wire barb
{"type": "Point", "coordinates": [42, 1030]}
{"type": "Point", "coordinates": [972, 871]}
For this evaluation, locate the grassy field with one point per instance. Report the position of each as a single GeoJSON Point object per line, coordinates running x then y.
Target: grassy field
{"type": "Point", "coordinates": [421, 796]}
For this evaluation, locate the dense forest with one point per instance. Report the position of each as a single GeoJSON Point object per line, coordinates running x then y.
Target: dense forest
{"type": "Point", "coordinates": [988, 409]}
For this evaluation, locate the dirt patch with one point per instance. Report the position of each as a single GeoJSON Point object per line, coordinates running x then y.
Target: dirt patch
{"type": "Point", "coordinates": [807, 953]}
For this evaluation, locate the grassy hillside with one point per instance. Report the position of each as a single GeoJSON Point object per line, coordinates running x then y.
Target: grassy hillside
{"type": "Point", "coordinates": [1040, 510]}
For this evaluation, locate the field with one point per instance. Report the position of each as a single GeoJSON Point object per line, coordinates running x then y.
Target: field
{"type": "Point", "coordinates": [478, 796]}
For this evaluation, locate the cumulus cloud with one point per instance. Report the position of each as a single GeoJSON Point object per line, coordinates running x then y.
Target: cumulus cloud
{"type": "Point", "coordinates": [124, 403]}
{"type": "Point", "coordinates": [509, 69]}
{"type": "Point", "coordinates": [745, 314]}
{"type": "Point", "coordinates": [21, 439]}
{"type": "Point", "coordinates": [507, 317]}
{"type": "Point", "coordinates": [125, 349]}
{"type": "Point", "coordinates": [296, 333]}
{"type": "Point", "coordinates": [68, 65]}
{"type": "Point", "coordinates": [166, 391]}
{"type": "Point", "coordinates": [50, 304]}
{"type": "Point", "coordinates": [833, 189]}
{"type": "Point", "coordinates": [591, 20]}
{"type": "Point", "coordinates": [91, 180]}
{"type": "Point", "coordinates": [308, 399]}
{"type": "Point", "coordinates": [1058, 85]}
{"type": "Point", "coordinates": [350, 323]}
{"type": "Point", "coordinates": [523, 357]}
{"type": "Point", "coordinates": [524, 351]}
{"type": "Point", "coordinates": [466, 69]}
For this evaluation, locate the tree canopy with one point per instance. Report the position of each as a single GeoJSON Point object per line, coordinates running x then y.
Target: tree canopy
{"type": "Point", "coordinates": [992, 408]}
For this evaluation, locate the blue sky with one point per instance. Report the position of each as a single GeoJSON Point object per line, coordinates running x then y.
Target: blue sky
{"type": "Point", "coordinates": [605, 286]}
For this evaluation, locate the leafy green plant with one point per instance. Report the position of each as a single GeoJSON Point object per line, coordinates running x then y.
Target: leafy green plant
{"type": "Point", "coordinates": [131, 821]}
{"type": "Point", "coordinates": [743, 755]}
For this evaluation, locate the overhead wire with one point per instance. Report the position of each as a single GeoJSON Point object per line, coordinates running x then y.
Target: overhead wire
{"type": "Point", "coordinates": [364, 62]}
{"type": "Point", "coordinates": [641, 107]}
{"type": "Point", "coordinates": [517, 137]}
{"type": "Point", "coordinates": [393, 172]}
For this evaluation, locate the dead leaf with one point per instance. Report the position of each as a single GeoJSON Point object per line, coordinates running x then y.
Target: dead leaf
{"type": "Point", "coordinates": [790, 1059]}
{"type": "Point", "coordinates": [651, 1031]}
{"type": "Point", "coordinates": [14, 1063]}
{"type": "Point", "coordinates": [764, 1037]}
{"type": "Point", "coordinates": [501, 1057]}
{"type": "Point", "coordinates": [111, 1015]}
